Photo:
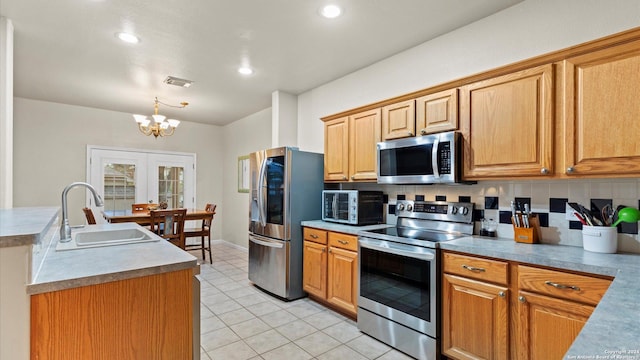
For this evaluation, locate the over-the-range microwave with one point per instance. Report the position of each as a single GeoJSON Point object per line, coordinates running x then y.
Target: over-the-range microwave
{"type": "Point", "coordinates": [428, 159]}
{"type": "Point", "coordinates": [352, 207]}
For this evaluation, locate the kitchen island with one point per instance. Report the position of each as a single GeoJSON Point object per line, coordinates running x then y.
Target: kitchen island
{"type": "Point", "coordinates": [126, 300]}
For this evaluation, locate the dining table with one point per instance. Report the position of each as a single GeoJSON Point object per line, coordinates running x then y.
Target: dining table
{"type": "Point", "coordinates": [144, 218]}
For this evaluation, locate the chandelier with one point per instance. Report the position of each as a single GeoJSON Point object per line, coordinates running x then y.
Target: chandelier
{"type": "Point", "coordinates": [159, 126]}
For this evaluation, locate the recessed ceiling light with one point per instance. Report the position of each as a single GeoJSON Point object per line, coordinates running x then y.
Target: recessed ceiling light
{"type": "Point", "coordinates": [331, 11]}
{"type": "Point", "coordinates": [128, 38]}
{"type": "Point", "coordinates": [245, 70]}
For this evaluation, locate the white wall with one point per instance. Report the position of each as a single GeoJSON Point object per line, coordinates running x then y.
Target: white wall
{"type": "Point", "coordinates": [241, 137]}
{"type": "Point", "coordinates": [50, 142]}
{"type": "Point", "coordinates": [6, 113]}
{"type": "Point", "coordinates": [528, 29]}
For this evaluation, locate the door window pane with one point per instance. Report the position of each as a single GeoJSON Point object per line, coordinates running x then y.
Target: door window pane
{"type": "Point", "coordinates": [171, 186]}
{"type": "Point", "coordinates": [119, 187]}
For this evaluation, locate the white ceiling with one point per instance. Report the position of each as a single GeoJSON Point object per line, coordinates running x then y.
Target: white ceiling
{"type": "Point", "coordinates": [65, 50]}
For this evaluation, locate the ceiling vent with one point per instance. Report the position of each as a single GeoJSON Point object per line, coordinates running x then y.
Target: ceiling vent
{"type": "Point", "coordinates": [177, 81]}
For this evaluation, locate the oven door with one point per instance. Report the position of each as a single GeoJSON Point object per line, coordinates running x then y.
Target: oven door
{"type": "Point", "coordinates": [398, 282]}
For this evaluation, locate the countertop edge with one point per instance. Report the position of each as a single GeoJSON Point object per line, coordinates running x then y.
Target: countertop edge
{"type": "Point", "coordinates": [33, 236]}
{"type": "Point", "coordinates": [343, 228]}
{"type": "Point", "coordinates": [38, 288]}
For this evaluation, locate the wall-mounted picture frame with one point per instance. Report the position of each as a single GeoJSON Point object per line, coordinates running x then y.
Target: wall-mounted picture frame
{"type": "Point", "coordinates": [243, 174]}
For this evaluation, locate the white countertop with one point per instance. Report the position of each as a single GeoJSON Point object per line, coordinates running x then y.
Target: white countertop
{"type": "Point", "coordinates": [25, 226]}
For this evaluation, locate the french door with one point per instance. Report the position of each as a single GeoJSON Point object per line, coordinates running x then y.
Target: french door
{"type": "Point", "coordinates": [124, 177]}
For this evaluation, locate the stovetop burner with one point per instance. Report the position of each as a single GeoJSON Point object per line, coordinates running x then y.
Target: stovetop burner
{"type": "Point", "coordinates": [416, 234]}
{"type": "Point", "coordinates": [427, 223]}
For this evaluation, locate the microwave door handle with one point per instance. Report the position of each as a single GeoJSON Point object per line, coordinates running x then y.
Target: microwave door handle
{"type": "Point", "coordinates": [334, 206]}
{"type": "Point", "coordinates": [261, 202]}
{"type": "Point", "coordinates": [434, 157]}
{"type": "Point", "coordinates": [365, 243]}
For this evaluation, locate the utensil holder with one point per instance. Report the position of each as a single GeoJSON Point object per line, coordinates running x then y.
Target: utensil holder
{"type": "Point", "coordinates": [601, 239]}
{"type": "Point", "coordinates": [527, 235]}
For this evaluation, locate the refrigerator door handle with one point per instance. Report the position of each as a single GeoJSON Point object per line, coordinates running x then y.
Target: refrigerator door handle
{"type": "Point", "coordinates": [265, 242]}
{"type": "Point", "coordinates": [261, 203]}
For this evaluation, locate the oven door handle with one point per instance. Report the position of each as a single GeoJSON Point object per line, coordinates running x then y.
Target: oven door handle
{"type": "Point", "coordinates": [401, 250]}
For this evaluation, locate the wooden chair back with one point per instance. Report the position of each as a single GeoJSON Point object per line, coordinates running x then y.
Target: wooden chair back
{"type": "Point", "coordinates": [88, 213]}
{"type": "Point", "coordinates": [169, 224]}
{"type": "Point", "coordinates": [206, 223]}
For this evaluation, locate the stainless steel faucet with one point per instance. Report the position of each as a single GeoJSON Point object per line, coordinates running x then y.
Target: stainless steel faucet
{"type": "Point", "coordinates": [65, 229]}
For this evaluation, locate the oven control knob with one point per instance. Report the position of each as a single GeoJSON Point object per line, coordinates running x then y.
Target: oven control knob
{"type": "Point", "coordinates": [409, 207]}
{"type": "Point", "coordinates": [401, 206]}
{"type": "Point", "coordinates": [454, 210]}
{"type": "Point", "coordinates": [464, 210]}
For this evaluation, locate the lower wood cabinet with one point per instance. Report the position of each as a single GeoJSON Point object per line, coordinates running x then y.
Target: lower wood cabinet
{"type": "Point", "coordinates": [330, 269]}
{"type": "Point", "coordinates": [475, 319]}
{"type": "Point", "coordinates": [496, 309]}
{"type": "Point", "coordinates": [149, 317]}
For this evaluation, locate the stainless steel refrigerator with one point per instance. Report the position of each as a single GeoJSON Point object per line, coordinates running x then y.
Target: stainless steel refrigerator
{"type": "Point", "coordinates": [286, 188]}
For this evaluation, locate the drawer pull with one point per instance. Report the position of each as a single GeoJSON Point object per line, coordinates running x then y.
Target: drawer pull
{"type": "Point", "coordinates": [561, 286]}
{"type": "Point", "coordinates": [343, 242]}
{"type": "Point", "coordinates": [472, 268]}
{"type": "Point", "coordinates": [314, 236]}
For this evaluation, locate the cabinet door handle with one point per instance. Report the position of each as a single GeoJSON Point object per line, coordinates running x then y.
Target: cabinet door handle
{"type": "Point", "coordinates": [324, 249]}
{"type": "Point", "coordinates": [314, 236]}
{"type": "Point", "coordinates": [329, 249]}
{"type": "Point", "coordinates": [353, 177]}
{"type": "Point", "coordinates": [502, 294]}
{"type": "Point", "coordinates": [544, 171]}
{"type": "Point", "coordinates": [522, 299]}
{"type": "Point", "coordinates": [423, 132]}
{"type": "Point", "coordinates": [344, 177]}
{"type": "Point", "coordinates": [410, 133]}
{"type": "Point", "coordinates": [343, 242]}
{"type": "Point", "coordinates": [472, 268]}
{"type": "Point", "coordinates": [562, 286]}
{"type": "Point", "coordinates": [570, 170]}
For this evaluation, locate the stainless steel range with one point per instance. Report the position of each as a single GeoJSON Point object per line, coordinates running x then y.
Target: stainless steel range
{"type": "Point", "coordinates": [399, 275]}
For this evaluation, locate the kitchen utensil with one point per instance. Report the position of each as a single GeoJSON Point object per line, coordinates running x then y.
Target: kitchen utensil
{"type": "Point", "coordinates": [516, 219]}
{"type": "Point", "coordinates": [580, 218]}
{"type": "Point", "coordinates": [628, 215]}
{"type": "Point", "coordinates": [607, 215]}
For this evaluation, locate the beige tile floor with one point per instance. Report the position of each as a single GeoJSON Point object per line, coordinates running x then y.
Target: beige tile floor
{"type": "Point", "coordinates": [238, 321]}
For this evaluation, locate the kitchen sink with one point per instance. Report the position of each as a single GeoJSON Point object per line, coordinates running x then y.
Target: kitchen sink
{"type": "Point", "coordinates": [106, 235]}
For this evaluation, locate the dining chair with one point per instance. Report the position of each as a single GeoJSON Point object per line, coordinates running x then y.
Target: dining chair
{"type": "Point", "coordinates": [169, 224]}
{"type": "Point", "coordinates": [88, 213]}
{"type": "Point", "coordinates": [203, 231]}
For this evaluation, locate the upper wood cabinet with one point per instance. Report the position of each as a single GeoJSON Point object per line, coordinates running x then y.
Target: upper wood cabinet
{"type": "Point", "coordinates": [350, 147]}
{"type": "Point", "coordinates": [399, 120]}
{"type": "Point", "coordinates": [336, 149]}
{"type": "Point", "coordinates": [507, 124]}
{"type": "Point", "coordinates": [437, 112]}
{"type": "Point", "coordinates": [602, 112]}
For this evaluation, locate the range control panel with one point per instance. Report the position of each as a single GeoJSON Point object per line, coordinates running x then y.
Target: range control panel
{"type": "Point", "coordinates": [435, 210]}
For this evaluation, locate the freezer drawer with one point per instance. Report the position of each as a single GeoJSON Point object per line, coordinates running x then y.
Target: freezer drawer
{"type": "Point", "coordinates": [269, 265]}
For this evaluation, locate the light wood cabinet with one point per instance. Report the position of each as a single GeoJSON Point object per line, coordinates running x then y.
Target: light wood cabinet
{"type": "Point", "coordinates": [350, 147]}
{"type": "Point", "coordinates": [146, 317]}
{"type": "Point", "coordinates": [399, 120]}
{"type": "Point", "coordinates": [330, 269]}
{"type": "Point", "coordinates": [475, 319]}
{"type": "Point", "coordinates": [602, 111]}
{"type": "Point", "coordinates": [336, 149]}
{"type": "Point", "coordinates": [437, 112]}
{"type": "Point", "coordinates": [493, 309]}
{"type": "Point", "coordinates": [507, 125]}
{"type": "Point", "coordinates": [475, 314]}
{"type": "Point", "coordinates": [553, 306]}
{"type": "Point", "coordinates": [364, 134]}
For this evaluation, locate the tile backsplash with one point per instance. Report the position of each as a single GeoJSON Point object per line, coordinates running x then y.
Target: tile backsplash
{"type": "Point", "coordinates": [547, 198]}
